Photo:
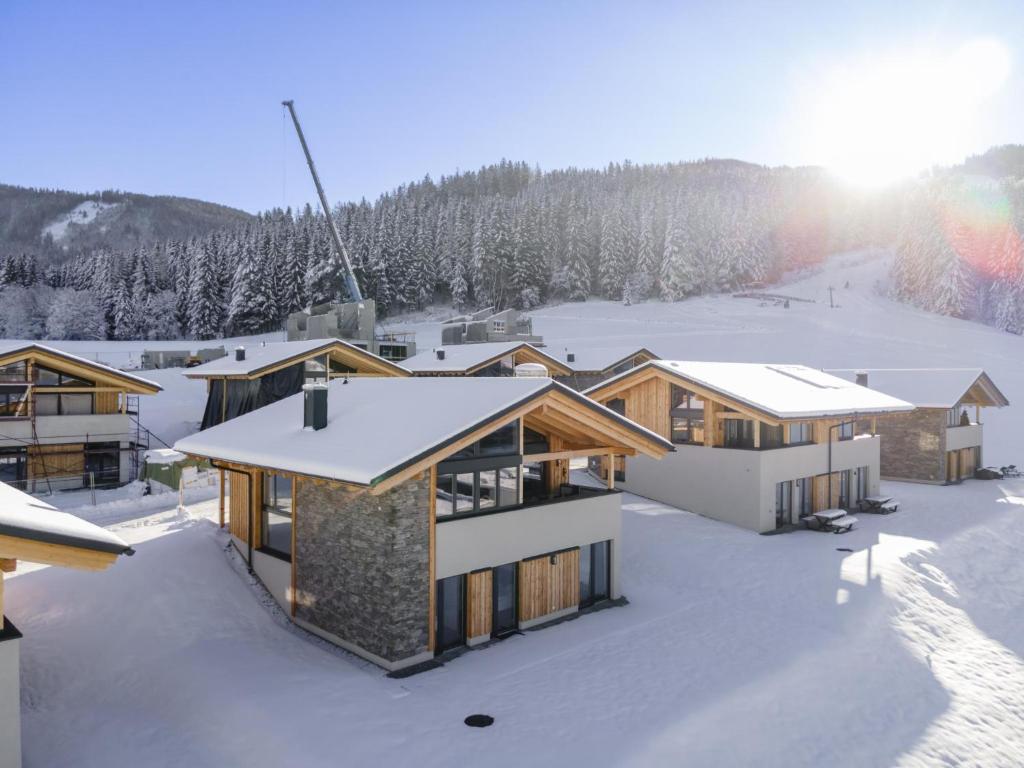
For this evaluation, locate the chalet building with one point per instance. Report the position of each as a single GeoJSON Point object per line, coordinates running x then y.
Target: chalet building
{"type": "Point", "coordinates": [485, 359]}
{"type": "Point", "coordinates": [758, 446]}
{"type": "Point", "coordinates": [592, 366]}
{"type": "Point", "coordinates": [65, 419]}
{"type": "Point", "coordinates": [455, 524]}
{"type": "Point", "coordinates": [253, 377]}
{"type": "Point", "coordinates": [941, 440]}
{"type": "Point", "coordinates": [35, 532]}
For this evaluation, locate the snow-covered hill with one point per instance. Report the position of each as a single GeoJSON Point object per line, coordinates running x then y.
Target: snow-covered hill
{"type": "Point", "coordinates": [864, 329]}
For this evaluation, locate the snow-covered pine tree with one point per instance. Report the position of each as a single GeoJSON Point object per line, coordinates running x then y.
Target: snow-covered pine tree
{"type": "Point", "coordinates": [204, 304]}
{"type": "Point", "coordinates": [576, 266]}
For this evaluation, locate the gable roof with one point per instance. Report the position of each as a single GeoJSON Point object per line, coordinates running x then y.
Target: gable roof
{"type": "Point", "coordinates": [780, 391]}
{"type": "Point", "coordinates": [25, 517]}
{"type": "Point", "coordinates": [261, 358]}
{"type": "Point", "coordinates": [379, 426]}
{"type": "Point", "coordinates": [931, 387]}
{"type": "Point", "coordinates": [19, 349]}
{"type": "Point", "coordinates": [602, 359]}
{"type": "Point", "coordinates": [467, 358]}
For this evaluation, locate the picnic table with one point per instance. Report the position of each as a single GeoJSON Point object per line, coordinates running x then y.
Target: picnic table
{"type": "Point", "coordinates": [830, 521]}
{"type": "Point", "coordinates": [878, 505]}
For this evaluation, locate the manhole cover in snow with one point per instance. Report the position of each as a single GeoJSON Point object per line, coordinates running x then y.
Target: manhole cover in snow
{"type": "Point", "coordinates": [479, 721]}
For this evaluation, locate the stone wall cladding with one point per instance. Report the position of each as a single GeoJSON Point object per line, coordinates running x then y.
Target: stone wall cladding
{"type": "Point", "coordinates": [362, 565]}
{"type": "Point", "coordinates": [914, 445]}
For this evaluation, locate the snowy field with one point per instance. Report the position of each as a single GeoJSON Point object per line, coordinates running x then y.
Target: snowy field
{"type": "Point", "coordinates": [735, 650]}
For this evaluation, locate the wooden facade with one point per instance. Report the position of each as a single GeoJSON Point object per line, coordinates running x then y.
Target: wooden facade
{"type": "Point", "coordinates": [961, 463]}
{"type": "Point", "coordinates": [548, 584]}
{"type": "Point", "coordinates": [56, 459]}
{"type": "Point", "coordinates": [239, 507]}
{"type": "Point", "coordinates": [478, 603]}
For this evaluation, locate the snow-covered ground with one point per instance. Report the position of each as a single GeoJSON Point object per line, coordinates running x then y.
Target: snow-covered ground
{"type": "Point", "coordinates": [735, 649]}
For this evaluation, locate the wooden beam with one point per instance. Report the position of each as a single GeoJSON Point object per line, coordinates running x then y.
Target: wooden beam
{"type": "Point", "coordinates": [221, 506]}
{"type": "Point", "coordinates": [8, 565]}
{"type": "Point", "coordinates": [611, 471]}
{"type": "Point", "coordinates": [579, 453]}
{"type": "Point", "coordinates": [54, 554]}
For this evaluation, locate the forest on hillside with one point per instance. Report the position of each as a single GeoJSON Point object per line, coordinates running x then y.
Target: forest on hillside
{"type": "Point", "coordinates": [511, 235]}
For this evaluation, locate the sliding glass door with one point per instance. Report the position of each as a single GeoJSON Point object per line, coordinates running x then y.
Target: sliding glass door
{"type": "Point", "coordinates": [451, 618]}
{"type": "Point", "coordinates": [505, 617]}
{"type": "Point", "coordinates": [595, 574]}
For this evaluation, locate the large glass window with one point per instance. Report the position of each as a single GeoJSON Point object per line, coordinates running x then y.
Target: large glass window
{"type": "Point", "coordinates": [503, 441]}
{"type": "Point", "coordinates": [534, 481]}
{"type": "Point", "coordinates": [862, 483]}
{"type": "Point", "coordinates": [505, 614]}
{"type": "Point", "coordinates": [801, 432]}
{"type": "Point", "coordinates": [277, 514]}
{"type": "Point", "coordinates": [595, 576]}
{"type": "Point", "coordinates": [802, 496]}
{"type": "Point", "coordinates": [12, 401]}
{"type": "Point", "coordinates": [14, 372]}
{"type": "Point", "coordinates": [739, 433]}
{"type": "Point", "coordinates": [844, 489]}
{"type": "Point", "coordinates": [12, 465]}
{"type": "Point", "coordinates": [451, 625]}
{"type": "Point", "coordinates": [476, 490]}
{"type": "Point", "coordinates": [61, 403]}
{"type": "Point", "coordinates": [771, 437]}
{"type": "Point", "coordinates": [846, 430]}
{"type": "Point", "coordinates": [687, 415]}
{"type": "Point", "coordinates": [783, 503]}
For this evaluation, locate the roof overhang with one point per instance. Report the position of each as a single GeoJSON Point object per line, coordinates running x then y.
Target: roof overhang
{"type": "Point", "coordinates": [336, 348]}
{"type": "Point", "coordinates": [633, 377]}
{"type": "Point", "coordinates": [82, 367]}
{"type": "Point", "coordinates": [553, 404]}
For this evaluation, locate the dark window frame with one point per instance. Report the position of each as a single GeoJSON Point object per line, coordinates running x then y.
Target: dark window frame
{"type": "Point", "coordinates": [267, 509]}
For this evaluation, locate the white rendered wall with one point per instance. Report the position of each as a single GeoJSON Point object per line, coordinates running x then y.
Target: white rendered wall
{"type": "Point", "coordinates": [10, 704]}
{"type": "Point", "coordinates": [464, 545]}
{"type": "Point", "coordinates": [963, 437]}
{"type": "Point", "coordinates": [738, 486]}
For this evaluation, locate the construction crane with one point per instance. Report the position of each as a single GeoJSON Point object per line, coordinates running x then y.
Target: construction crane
{"type": "Point", "coordinates": [350, 276]}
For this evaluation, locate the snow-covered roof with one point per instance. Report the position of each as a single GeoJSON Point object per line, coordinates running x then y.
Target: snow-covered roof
{"type": "Point", "coordinates": [460, 358]}
{"type": "Point", "coordinates": [269, 354]}
{"type": "Point", "coordinates": [598, 359]}
{"type": "Point", "coordinates": [15, 347]}
{"type": "Point", "coordinates": [376, 426]}
{"type": "Point", "coordinates": [26, 517]}
{"type": "Point", "coordinates": [930, 387]}
{"type": "Point", "coordinates": [783, 391]}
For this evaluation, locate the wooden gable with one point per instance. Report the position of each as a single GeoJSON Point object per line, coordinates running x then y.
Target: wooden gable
{"type": "Point", "coordinates": [100, 377]}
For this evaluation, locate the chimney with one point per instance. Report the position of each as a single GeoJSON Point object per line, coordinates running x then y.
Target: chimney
{"type": "Point", "coordinates": [314, 406]}
{"type": "Point", "coordinates": [570, 357]}
{"type": "Point", "coordinates": [440, 354]}
{"type": "Point", "coordinates": [862, 378]}
{"type": "Point", "coordinates": [239, 353]}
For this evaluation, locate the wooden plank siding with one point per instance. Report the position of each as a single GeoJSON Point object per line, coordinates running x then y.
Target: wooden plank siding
{"type": "Point", "coordinates": [238, 505]}
{"type": "Point", "coordinates": [107, 402]}
{"type": "Point", "coordinates": [478, 603]}
{"type": "Point", "coordinates": [56, 460]}
{"type": "Point", "coordinates": [546, 587]}
{"type": "Point", "coordinates": [819, 494]}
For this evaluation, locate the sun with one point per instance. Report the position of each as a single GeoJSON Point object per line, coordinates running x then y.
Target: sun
{"type": "Point", "coordinates": [883, 118]}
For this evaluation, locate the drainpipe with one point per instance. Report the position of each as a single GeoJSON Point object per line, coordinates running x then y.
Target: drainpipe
{"type": "Point", "coordinates": [834, 426]}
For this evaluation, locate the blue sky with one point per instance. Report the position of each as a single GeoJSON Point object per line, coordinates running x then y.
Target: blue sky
{"type": "Point", "coordinates": [184, 98]}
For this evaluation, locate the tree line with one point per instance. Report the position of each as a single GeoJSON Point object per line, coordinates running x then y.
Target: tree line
{"type": "Point", "coordinates": [506, 235]}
